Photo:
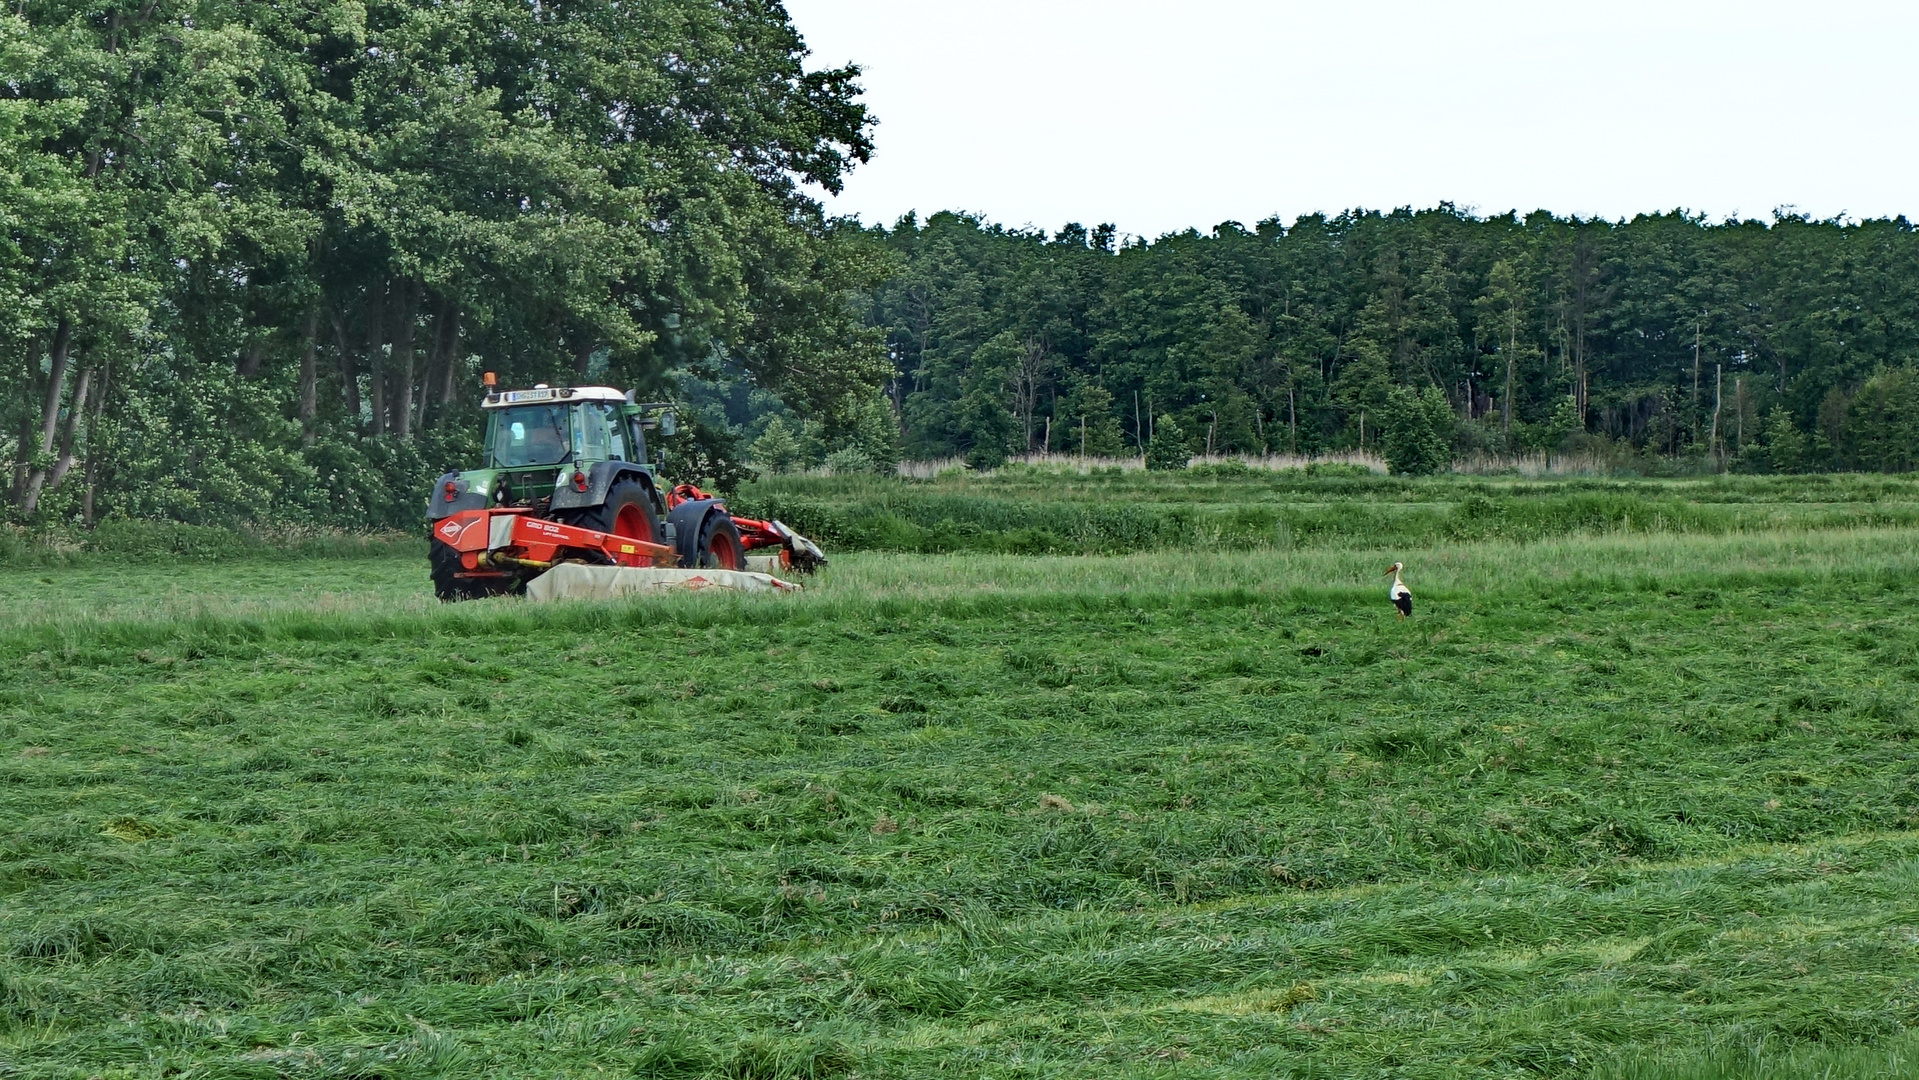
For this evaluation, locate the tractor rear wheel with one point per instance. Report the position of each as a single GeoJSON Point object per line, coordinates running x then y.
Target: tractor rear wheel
{"type": "Point", "coordinates": [720, 547]}
{"type": "Point", "coordinates": [627, 511]}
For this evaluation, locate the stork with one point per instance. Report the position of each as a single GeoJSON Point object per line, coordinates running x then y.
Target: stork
{"type": "Point", "coordinates": [1402, 596]}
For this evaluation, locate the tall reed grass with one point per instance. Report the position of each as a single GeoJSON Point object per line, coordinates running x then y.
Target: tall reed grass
{"type": "Point", "coordinates": [1080, 463]}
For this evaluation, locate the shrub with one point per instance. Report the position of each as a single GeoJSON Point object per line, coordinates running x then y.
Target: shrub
{"type": "Point", "coordinates": [1168, 449]}
{"type": "Point", "coordinates": [1419, 427]}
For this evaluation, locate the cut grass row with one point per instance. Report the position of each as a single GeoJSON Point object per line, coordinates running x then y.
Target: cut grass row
{"type": "Point", "coordinates": [1620, 803]}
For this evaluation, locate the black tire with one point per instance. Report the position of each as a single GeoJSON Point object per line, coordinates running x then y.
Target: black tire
{"type": "Point", "coordinates": [720, 546]}
{"type": "Point", "coordinates": [444, 562]}
{"type": "Point", "coordinates": [627, 511]}
{"type": "Point", "coordinates": [445, 565]}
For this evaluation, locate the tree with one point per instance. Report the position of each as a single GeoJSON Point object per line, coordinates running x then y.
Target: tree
{"type": "Point", "coordinates": [1417, 431]}
{"type": "Point", "coordinates": [1882, 428]}
{"type": "Point", "coordinates": [1086, 421]}
{"type": "Point", "coordinates": [255, 244]}
{"type": "Point", "coordinates": [1785, 445]}
{"type": "Point", "coordinates": [1167, 450]}
{"type": "Point", "coordinates": [1503, 312]}
{"type": "Point", "coordinates": [777, 450]}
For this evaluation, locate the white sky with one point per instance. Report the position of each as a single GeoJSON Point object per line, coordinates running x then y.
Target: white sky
{"type": "Point", "coordinates": [1162, 115]}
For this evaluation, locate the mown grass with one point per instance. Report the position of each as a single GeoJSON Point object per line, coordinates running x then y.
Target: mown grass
{"type": "Point", "coordinates": [1614, 805]}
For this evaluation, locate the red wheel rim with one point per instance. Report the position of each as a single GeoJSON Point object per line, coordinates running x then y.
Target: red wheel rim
{"type": "Point", "coordinates": [724, 551]}
{"type": "Point", "coordinates": [630, 522]}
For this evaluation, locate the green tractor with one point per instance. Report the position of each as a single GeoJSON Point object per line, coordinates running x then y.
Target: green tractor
{"type": "Point", "coordinates": [569, 478]}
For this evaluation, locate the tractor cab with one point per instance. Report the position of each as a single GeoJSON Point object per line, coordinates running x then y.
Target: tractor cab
{"type": "Point", "coordinates": [557, 448]}
{"type": "Point", "coordinates": [547, 427]}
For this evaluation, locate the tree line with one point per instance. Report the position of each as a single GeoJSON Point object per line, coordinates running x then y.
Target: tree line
{"type": "Point", "coordinates": [252, 256]}
{"type": "Point", "coordinates": [1785, 344]}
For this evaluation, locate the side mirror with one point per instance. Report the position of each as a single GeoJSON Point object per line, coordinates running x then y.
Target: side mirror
{"type": "Point", "coordinates": [669, 423]}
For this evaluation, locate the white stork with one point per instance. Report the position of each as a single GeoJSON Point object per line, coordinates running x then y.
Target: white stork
{"type": "Point", "coordinates": [1402, 596]}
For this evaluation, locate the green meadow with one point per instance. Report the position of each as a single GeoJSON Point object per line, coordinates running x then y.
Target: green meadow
{"type": "Point", "coordinates": [1047, 775]}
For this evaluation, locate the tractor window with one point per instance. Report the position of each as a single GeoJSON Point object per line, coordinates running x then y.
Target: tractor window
{"type": "Point", "coordinates": [616, 429]}
{"type": "Point", "coordinates": [530, 435]}
{"type": "Point", "coordinates": [595, 441]}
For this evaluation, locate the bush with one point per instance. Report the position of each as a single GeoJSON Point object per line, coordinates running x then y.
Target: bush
{"type": "Point", "coordinates": [1167, 450]}
{"type": "Point", "coordinates": [1419, 428]}
{"type": "Point", "coordinates": [1785, 445]}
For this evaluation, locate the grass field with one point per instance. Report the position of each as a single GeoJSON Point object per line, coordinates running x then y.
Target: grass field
{"type": "Point", "coordinates": [1620, 801]}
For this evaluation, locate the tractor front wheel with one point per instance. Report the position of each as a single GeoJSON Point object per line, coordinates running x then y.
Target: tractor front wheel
{"type": "Point", "coordinates": [445, 567]}
{"type": "Point", "coordinates": [720, 547]}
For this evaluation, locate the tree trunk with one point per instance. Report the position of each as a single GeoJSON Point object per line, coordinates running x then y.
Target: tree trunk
{"type": "Point", "coordinates": [582, 357]}
{"type": "Point", "coordinates": [349, 371]}
{"type": "Point", "coordinates": [30, 384]}
{"type": "Point", "coordinates": [56, 386]}
{"type": "Point", "coordinates": [76, 415]}
{"type": "Point", "coordinates": [407, 309]}
{"type": "Point", "coordinates": [49, 420]}
{"type": "Point", "coordinates": [450, 365]}
{"type": "Point", "coordinates": [309, 375]}
{"type": "Point", "coordinates": [1506, 401]}
{"type": "Point", "coordinates": [1718, 396]}
{"type": "Point", "coordinates": [431, 375]}
{"type": "Point", "coordinates": [90, 475]}
{"type": "Point", "coordinates": [376, 353]}
{"type": "Point", "coordinates": [255, 353]}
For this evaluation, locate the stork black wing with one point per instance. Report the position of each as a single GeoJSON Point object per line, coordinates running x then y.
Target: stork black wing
{"type": "Point", "coordinates": [1404, 602]}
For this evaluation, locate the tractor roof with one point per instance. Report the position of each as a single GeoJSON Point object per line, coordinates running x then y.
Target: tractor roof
{"type": "Point", "coordinates": [551, 393]}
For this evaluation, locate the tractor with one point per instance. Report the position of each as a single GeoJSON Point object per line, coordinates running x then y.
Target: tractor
{"type": "Point", "coordinates": [569, 478]}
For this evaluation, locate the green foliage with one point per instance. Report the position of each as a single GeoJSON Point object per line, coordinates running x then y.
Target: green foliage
{"type": "Point", "coordinates": [1167, 450]}
{"type": "Point", "coordinates": [1882, 423]}
{"type": "Point", "coordinates": [1577, 818]}
{"type": "Point", "coordinates": [1786, 447]}
{"type": "Point", "coordinates": [1564, 422]}
{"type": "Point", "coordinates": [1418, 432]}
{"type": "Point", "coordinates": [1086, 422]}
{"type": "Point", "coordinates": [988, 426]}
{"type": "Point", "coordinates": [1281, 337]}
{"type": "Point", "coordinates": [252, 245]}
{"type": "Point", "coordinates": [868, 436]}
{"type": "Point", "coordinates": [778, 449]}
{"type": "Point", "coordinates": [706, 453]}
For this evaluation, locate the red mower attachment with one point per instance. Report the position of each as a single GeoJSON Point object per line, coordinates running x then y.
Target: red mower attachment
{"type": "Point", "coordinates": [794, 550]}
{"type": "Point", "coordinates": [504, 541]}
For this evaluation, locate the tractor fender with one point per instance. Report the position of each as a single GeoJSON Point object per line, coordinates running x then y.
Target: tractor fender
{"type": "Point", "coordinates": [438, 506]}
{"type": "Point", "coordinates": [600, 479]}
{"type": "Point", "coordinates": [684, 525]}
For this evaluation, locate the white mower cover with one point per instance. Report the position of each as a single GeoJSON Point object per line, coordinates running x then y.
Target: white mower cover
{"type": "Point", "coordinates": [575, 581]}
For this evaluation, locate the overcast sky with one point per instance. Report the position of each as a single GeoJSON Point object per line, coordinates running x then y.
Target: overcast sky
{"type": "Point", "coordinates": [1164, 115]}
